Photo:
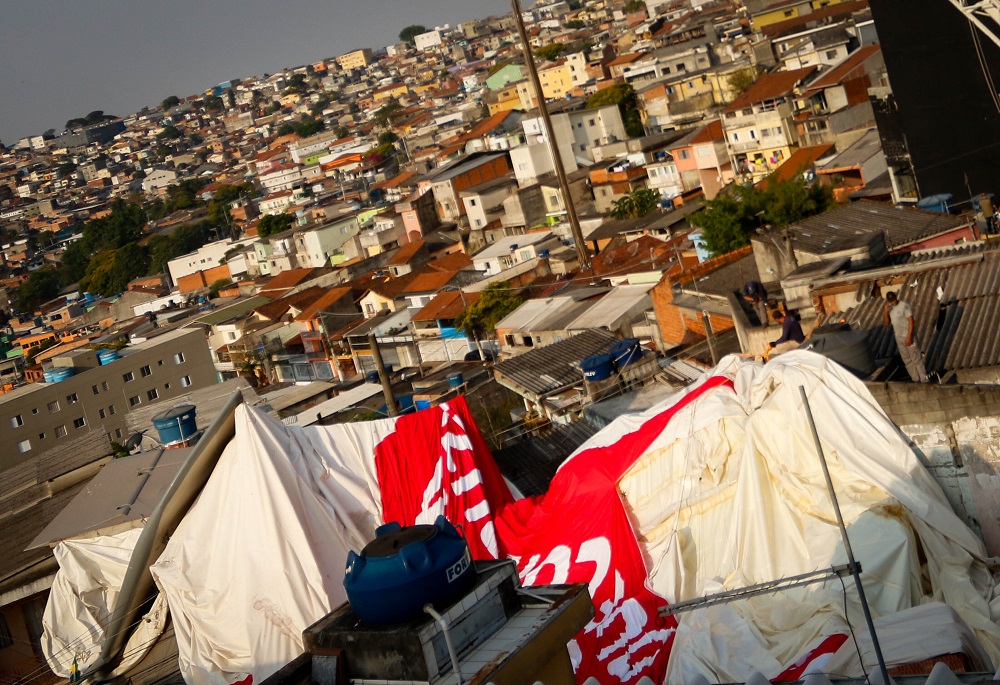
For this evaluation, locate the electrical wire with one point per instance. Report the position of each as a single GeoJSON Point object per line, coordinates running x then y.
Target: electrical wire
{"type": "Point", "coordinates": [984, 66]}
{"type": "Point", "coordinates": [850, 627]}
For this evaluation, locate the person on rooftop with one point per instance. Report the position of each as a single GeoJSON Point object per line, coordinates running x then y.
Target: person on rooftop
{"type": "Point", "coordinates": [791, 333]}
{"type": "Point", "coordinates": [900, 316]}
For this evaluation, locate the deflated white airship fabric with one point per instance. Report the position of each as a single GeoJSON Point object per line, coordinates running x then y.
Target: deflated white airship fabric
{"type": "Point", "coordinates": [285, 504]}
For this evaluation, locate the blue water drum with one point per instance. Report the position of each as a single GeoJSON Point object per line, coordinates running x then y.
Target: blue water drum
{"type": "Point", "coordinates": [371, 377]}
{"type": "Point", "coordinates": [598, 368]}
{"type": "Point", "coordinates": [403, 569]}
{"type": "Point", "coordinates": [107, 356]}
{"type": "Point", "coordinates": [455, 380]}
{"type": "Point", "coordinates": [176, 424]}
{"type": "Point", "coordinates": [47, 375]}
{"type": "Point", "coordinates": [61, 373]}
{"type": "Point", "coordinates": [626, 352]}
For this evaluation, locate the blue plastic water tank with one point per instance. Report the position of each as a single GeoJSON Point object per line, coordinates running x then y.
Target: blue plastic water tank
{"type": "Point", "coordinates": [371, 377]}
{"type": "Point", "coordinates": [625, 352]}
{"type": "Point", "coordinates": [61, 373]}
{"type": "Point", "coordinates": [403, 569]}
{"type": "Point", "coordinates": [107, 356]}
{"type": "Point", "coordinates": [47, 375]}
{"type": "Point", "coordinates": [936, 203]}
{"type": "Point", "coordinates": [176, 424]}
{"type": "Point", "coordinates": [455, 380]}
{"type": "Point", "coordinates": [597, 368]}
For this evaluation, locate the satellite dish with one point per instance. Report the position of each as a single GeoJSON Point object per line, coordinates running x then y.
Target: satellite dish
{"type": "Point", "coordinates": [134, 441]}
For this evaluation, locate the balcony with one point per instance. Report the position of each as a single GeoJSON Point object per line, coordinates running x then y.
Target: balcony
{"type": "Point", "coordinates": [748, 146]}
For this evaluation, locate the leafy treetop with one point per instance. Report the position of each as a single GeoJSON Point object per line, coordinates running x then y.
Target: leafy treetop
{"type": "Point", "coordinates": [410, 32]}
{"type": "Point", "coordinates": [481, 317]}
{"type": "Point", "coordinates": [274, 223]}
{"type": "Point", "coordinates": [729, 220]}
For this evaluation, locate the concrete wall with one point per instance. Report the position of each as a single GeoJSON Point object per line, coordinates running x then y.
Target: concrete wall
{"type": "Point", "coordinates": [954, 430]}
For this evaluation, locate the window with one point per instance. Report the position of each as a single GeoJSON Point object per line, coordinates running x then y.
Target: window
{"type": "Point", "coordinates": [111, 409]}
{"type": "Point", "coordinates": [104, 385]}
{"type": "Point", "coordinates": [128, 377]}
{"type": "Point", "coordinates": [230, 336]}
{"type": "Point", "coordinates": [528, 342]}
{"type": "Point", "coordinates": [831, 54]}
{"type": "Point", "coordinates": [134, 401]}
{"type": "Point", "coordinates": [683, 154]}
{"type": "Point", "coordinates": [34, 410]}
{"type": "Point", "coordinates": [145, 371]}
{"type": "Point", "coordinates": [159, 362]}
{"type": "Point", "coordinates": [152, 395]}
{"type": "Point", "coordinates": [509, 340]}
{"type": "Point", "coordinates": [101, 413]}
{"type": "Point", "coordinates": [72, 398]}
{"type": "Point", "coordinates": [472, 203]}
{"type": "Point", "coordinates": [118, 432]}
{"type": "Point", "coordinates": [79, 423]}
{"type": "Point", "coordinates": [60, 431]}
{"type": "Point", "coordinates": [753, 134]}
{"type": "Point", "coordinates": [96, 390]}
{"type": "Point", "coordinates": [16, 421]}
{"type": "Point", "coordinates": [41, 436]}
{"type": "Point", "coordinates": [591, 122]}
{"type": "Point", "coordinates": [166, 386]}
{"type": "Point", "coordinates": [24, 446]}
{"type": "Point", "coordinates": [179, 358]}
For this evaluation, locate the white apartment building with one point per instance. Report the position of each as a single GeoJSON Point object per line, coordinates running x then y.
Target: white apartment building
{"type": "Point", "coordinates": [205, 257]}
{"type": "Point", "coordinates": [578, 132]}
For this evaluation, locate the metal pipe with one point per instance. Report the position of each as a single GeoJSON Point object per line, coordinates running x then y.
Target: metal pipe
{"type": "Point", "coordinates": [429, 609]}
{"type": "Point", "coordinates": [390, 401]}
{"type": "Point", "coordinates": [574, 220]}
{"type": "Point", "coordinates": [847, 542]}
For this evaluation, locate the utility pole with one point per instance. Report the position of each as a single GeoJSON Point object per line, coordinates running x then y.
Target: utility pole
{"type": "Point", "coordinates": [390, 401]}
{"type": "Point", "coordinates": [574, 221]}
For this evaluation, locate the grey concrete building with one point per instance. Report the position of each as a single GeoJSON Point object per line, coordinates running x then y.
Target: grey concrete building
{"type": "Point", "coordinates": [39, 416]}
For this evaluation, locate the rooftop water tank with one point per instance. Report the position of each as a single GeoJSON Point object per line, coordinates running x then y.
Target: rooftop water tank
{"type": "Point", "coordinates": [403, 569]}
{"type": "Point", "coordinates": [936, 203]}
{"type": "Point", "coordinates": [597, 368]}
{"type": "Point", "coordinates": [625, 352]}
{"type": "Point", "coordinates": [60, 373]}
{"type": "Point", "coordinates": [848, 348]}
{"type": "Point", "coordinates": [371, 377]}
{"type": "Point", "coordinates": [107, 356]}
{"type": "Point", "coordinates": [455, 380]}
{"type": "Point", "coordinates": [176, 424]}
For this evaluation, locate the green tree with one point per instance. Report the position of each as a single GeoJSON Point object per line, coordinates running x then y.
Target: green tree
{"type": "Point", "coordinates": [739, 81]}
{"type": "Point", "coordinates": [66, 168]}
{"type": "Point", "coordinates": [309, 127]}
{"type": "Point", "coordinates": [274, 223]}
{"type": "Point", "coordinates": [213, 290]}
{"type": "Point", "coordinates": [622, 95]}
{"type": "Point", "coordinates": [121, 227]}
{"type": "Point", "coordinates": [41, 286]}
{"type": "Point", "coordinates": [729, 220]}
{"type": "Point", "coordinates": [387, 137]}
{"type": "Point", "coordinates": [385, 115]}
{"type": "Point", "coordinates": [218, 206]}
{"type": "Point", "coordinates": [550, 51]}
{"type": "Point", "coordinates": [342, 132]}
{"type": "Point", "coordinates": [110, 271]}
{"type": "Point", "coordinates": [410, 32]}
{"type": "Point", "coordinates": [634, 5]}
{"type": "Point", "coordinates": [170, 102]}
{"type": "Point", "coordinates": [575, 24]}
{"type": "Point", "coordinates": [636, 203]}
{"type": "Point", "coordinates": [169, 133]}
{"type": "Point", "coordinates": [480, 318]}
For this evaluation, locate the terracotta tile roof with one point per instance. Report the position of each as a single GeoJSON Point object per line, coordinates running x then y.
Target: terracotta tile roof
{"type": "Point", "coordinates": [794, 24]}
{"type": "Point", "coordinates": [452, 262]}
{"type": "Point", "coordinates": [801, 159]}
{"type": "Point", "coordinates": [770, 87]}
{"type": "Point", "coordinates": [627, 58]}
{"type": "Point", "coordinates": [326, 300]}
{"type": "Point", "coordinates": [287, 280]}
{"type": "Point", "coordinates": [426, 281]}
{"type": "Point", "coordinates": [405, 253]}
{"type": "Point", "coordinates": [710, 132]}
{"type": "Point", "coordinates": [396, 181]}
{"type": "Point", "coordinates": [842, 71]}
{"type": "Point", "coordinates": [446, 305]}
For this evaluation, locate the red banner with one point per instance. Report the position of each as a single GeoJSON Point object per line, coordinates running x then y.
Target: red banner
{"type": "Point", "coordinates": [577, 532]}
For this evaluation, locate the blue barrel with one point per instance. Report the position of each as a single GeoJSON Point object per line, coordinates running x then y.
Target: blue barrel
{"type": "Point", "coordinates": [371, 377]}
{"type": "Point", "coordinates": [388, 368]}
{"type": "Point", "coordinates": [422, 404]}
{"type": "Point", "coordinates": [455, 380]}
{"type": "Point", "coordinates": [403, 569]}
{"type": "Point", "coordinates": [107, 356]}
{"type": "Point", "coordinates": [61, 373]}
{"type": "Point", "coordinates": [598, 368]}
{"type": "Point", "coordinates": [176, 424]}
{"type": "Point", "coordinates": [625, 352]}
{"type": "Point", "coordinates": [47, 374]}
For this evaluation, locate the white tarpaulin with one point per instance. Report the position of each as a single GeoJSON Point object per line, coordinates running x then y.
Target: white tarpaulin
{"type": "Point", "coordinates": [261, 555]}
{"type": "Point", "coordinates": [722, 487]}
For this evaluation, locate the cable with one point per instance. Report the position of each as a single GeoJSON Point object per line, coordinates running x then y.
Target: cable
{"type": "Point", "coordinates": [854, 637]}
{"type": "Point", "coordinates": [987, 75]}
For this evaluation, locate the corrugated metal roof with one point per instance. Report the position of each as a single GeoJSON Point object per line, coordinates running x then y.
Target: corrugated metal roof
{"type": "Point", "coordinates": [546, 369]}
{"type": "Point", "coordinates": [957, 329]}
{"type": "Point", "coordinates": [531, 462]}
{"type": "Point", "coordinates": [842, 227]}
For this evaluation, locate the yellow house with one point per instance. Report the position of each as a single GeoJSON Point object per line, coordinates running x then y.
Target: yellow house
{"type": "Point", "coordinates": [358, 59]}
{"type": "Point", "coordinates": [393, 90]}
{"type": "Point", "coordinates": [788, 9]}
{"type": "Point", "coordinates": [506, 100]}
{"type": "Point", "coordinates": [289, 99]}
{"type": "Point", "coordinates": [556, 83]}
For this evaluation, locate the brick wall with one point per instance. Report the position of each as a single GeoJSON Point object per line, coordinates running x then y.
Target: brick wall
{"type": "Point", "coordinates": [680, 325]}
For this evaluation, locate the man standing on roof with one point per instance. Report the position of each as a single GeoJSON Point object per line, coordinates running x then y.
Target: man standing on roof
{"type": "Point", "coordinates": [791, 333]}
{"type": "Point", "coordinates": [900, 316]}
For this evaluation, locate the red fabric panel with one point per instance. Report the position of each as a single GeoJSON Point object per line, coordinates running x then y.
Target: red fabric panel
{"type": "Point", "coordinates": [794, 672]}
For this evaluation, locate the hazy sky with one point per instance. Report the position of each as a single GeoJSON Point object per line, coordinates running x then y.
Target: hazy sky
{"type": "Point", "coordinates": [64, 58]}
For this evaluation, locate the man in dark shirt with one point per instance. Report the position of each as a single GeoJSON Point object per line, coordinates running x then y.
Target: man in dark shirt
{"type": "Point", "coordinates": [791, 333]}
